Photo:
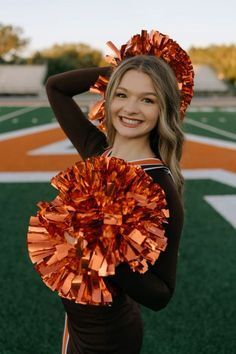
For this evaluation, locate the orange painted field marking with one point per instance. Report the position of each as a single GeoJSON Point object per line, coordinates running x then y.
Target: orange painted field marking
{"type": "Point", "coordinates": [14, 153]}
{"type": "Point", "coordinates": [14, 156]}
{"type": "Point", "coordinates": [199, 155]}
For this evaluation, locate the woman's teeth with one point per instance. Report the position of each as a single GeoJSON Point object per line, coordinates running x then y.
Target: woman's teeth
{"type": "Point", "coordinates": [130, 121]}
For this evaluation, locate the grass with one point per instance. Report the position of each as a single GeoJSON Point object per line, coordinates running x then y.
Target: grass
{"type": "Point", "coordinates": [201, 315]}
{"type": "Point", "coordinates": [199, 319]}
{"type": "Point", "coordinates": [220, 120]}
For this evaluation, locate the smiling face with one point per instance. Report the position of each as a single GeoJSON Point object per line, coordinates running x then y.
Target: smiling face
{"type": "Point", "coordinates": [134, 108]}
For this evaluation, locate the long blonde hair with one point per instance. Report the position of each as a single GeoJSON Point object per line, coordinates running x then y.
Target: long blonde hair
{"type": "Point", "coordinates": [166, 139]}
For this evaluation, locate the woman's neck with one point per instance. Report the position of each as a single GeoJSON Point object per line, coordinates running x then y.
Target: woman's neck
{"type": "Point", "coordinates": [131, 149]}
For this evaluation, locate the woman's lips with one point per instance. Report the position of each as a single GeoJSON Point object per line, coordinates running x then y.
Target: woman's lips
{"type": "Point", "coordinates": [125, 121]}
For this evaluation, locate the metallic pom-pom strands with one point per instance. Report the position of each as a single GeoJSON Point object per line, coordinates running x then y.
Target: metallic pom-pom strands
{"type": "Point", "coordinates": [107, 212]}
{"type": "Point", "coordinates": [156, 44]}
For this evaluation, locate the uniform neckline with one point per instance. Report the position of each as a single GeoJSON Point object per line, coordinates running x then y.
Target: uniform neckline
{"type": "Point", "coordinates": [108, 151]}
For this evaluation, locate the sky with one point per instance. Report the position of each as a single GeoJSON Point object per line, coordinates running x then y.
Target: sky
{"type": "Point", "coordinates": [94, 22]}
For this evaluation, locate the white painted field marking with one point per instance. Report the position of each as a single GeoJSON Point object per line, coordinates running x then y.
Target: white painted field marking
{"type": "Point", "coordinates": [215, 174]}
{"type": "Point", "coordinates": [212, 109]}
{"type": "Point", "coordinates": [202, 109]}
{"type": "Point", "coordinates": [219, 175]}
{"type": "Point", "coordinates": [225, 205]}
{"type": "Point", "coordinates": [211, 141]}
{"type": "Point", "coordinates": [210, 128]}
{"type": "Point", "coordinates": [222, 119]}
{"type": "Point", "coordinates": [18, 112]}
{"type": "Point", "coordinates": [26, 177]}
{"type": "Point", "coordinates": [63, 147]}
{"type": "Point", "coordinates": [28, 131]}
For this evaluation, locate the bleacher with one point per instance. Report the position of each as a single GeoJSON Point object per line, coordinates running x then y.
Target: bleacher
{"type": "Point", "coordinates": [22, 79]}
{"type": "Point", "coordinates": [206, 81]}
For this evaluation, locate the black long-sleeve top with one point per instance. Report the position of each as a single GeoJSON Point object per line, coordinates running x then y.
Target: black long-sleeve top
{"type": "Point", "coordinates": [154, 288]}
{"type": "Point", "coordinates": [117, 329]}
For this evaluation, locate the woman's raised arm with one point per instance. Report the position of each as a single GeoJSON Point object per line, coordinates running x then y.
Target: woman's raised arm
{"type": "Point", "coordinates": [60, 88]}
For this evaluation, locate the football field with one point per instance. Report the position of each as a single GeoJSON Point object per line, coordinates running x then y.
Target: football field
{"type": "Point", "coordinates": [201, 317]}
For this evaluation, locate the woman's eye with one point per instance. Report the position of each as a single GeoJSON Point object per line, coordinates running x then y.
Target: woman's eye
{"type": "Point", "coordinates": [148, 100]}
{"type": "Point", "coordinates": [119, 94]}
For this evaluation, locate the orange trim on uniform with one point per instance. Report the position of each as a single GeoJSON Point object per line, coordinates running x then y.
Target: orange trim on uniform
{"type": "Point", "coordinates": [65, 338]}
{"type": "Point", "coordinates": [150, 161]}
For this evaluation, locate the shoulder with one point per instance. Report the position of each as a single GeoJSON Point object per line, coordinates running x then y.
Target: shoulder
{"type": "Point", "coordinates": [162, 176]}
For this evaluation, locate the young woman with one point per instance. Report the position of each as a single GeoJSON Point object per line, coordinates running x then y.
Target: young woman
{"type": "Point", "coordinates": [143, 125]}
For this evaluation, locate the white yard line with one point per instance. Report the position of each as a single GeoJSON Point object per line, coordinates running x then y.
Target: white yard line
{"type": "Point", "coordinates": [63, 147]}
{"type": "Point", "coordinates": [214, 174]}
{"type": "Point", "coordinates": [26, 177]}
{"type": "Point", "coordinates": [210, 128]}
{"type": "Point", "coordinates": [29, 131]}
{"type": "Point", "coordinates": [202, 109]}
{"type": "Point", "coordinates": [211, 141]}
{"type": "Point", "coordinates": [225, 205]}
{"type": "Point", "coordinates": [18, 112]}
{"type": "Point", "coordinates": [211, 109]}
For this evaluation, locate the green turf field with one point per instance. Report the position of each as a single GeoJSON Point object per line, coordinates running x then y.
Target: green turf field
{"type": "Point", "coordinates": [201, 317]}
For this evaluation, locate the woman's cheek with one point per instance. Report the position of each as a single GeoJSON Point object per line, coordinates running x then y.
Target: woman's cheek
{"type": "Point", "coordinates": [113, 105]}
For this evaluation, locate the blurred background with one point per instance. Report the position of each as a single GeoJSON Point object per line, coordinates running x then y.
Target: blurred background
{"type": "Point", "coordinates": [40, 39]}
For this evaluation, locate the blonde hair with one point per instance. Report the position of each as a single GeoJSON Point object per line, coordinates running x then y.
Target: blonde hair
{"type": "Point", "coordinates": [166, 139]}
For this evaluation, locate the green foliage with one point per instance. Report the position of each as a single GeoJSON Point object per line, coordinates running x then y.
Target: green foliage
{"type": "Point", "coordinates": [10, 41]}
{"type": "Point", "coordinates": [60, 58]}
{"type": "Point", "coordinates": [221, 57]}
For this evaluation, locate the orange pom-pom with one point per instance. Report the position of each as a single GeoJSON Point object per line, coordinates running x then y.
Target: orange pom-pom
{"type": "Point", "coordinates": [107, 212]}
{"type": "Point", "coordinates": [156, 44]}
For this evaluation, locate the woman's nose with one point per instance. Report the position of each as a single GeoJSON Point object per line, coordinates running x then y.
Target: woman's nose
{"type": "Point", "coordinates": [130, 106]}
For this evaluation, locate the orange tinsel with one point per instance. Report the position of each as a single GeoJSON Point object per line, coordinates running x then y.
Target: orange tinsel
{"type": "Point", "coordinates": [107, 212]}
{"type": "Point", "coordinates": [156, 44]}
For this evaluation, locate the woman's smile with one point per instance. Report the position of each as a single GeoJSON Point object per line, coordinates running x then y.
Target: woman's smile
{"type": "Point", "coordinates": [130, 122]}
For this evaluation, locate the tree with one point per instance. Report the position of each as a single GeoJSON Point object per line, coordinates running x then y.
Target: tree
{"type": "Point", "coordinates": [63, 57]}
{"type": "Point", "coordinates": [11, 42]}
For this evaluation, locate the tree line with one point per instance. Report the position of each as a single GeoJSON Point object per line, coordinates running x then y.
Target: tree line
{"type": "Point", "coordinates": [69, 56]}
{"type": "Point", "coordinates": [58, 58]}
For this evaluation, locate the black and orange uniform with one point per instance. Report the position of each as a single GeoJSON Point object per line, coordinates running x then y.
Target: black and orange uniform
{"type": "Point", "coordinates": [115, 329]}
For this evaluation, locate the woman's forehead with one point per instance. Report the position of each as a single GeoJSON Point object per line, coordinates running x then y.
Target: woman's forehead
{"type": "Point", "coordinates": [138, 81]}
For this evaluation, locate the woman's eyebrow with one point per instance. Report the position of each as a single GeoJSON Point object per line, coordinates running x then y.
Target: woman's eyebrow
{"type": "Point", "coordinates": [142, 93]}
